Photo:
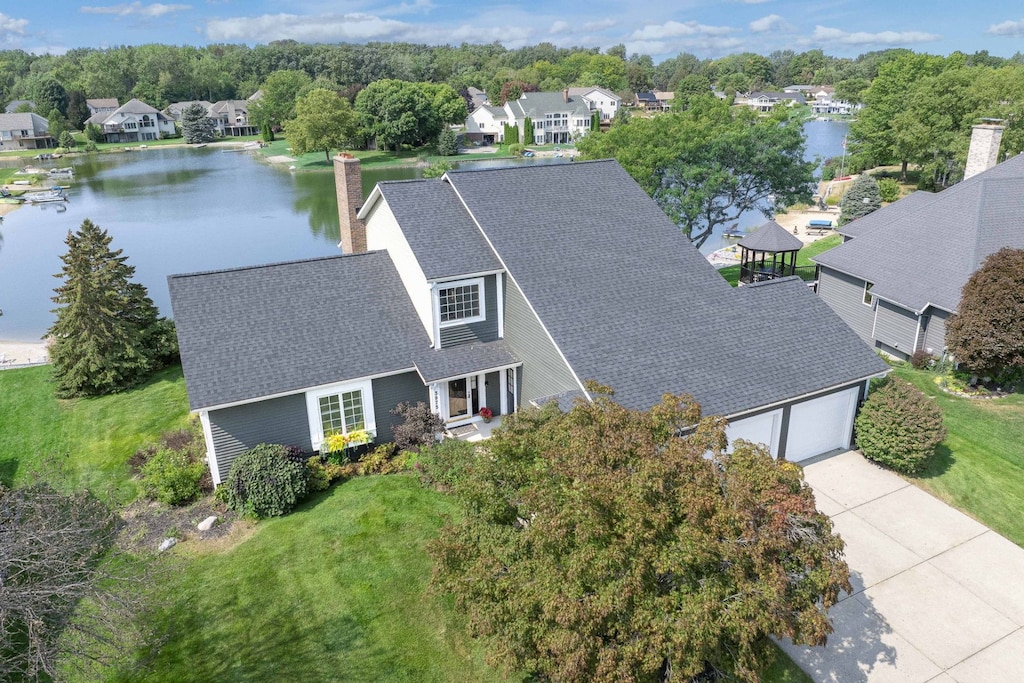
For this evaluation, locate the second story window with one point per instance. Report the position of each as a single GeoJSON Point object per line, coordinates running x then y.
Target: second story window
{"type": "Point", "coordinates": [461, 302]}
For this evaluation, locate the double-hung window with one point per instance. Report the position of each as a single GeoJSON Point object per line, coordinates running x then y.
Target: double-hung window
{"type": "Point", "coordinates": [461, 302]}
{"type": "Point", "coordinates": [340, 409]}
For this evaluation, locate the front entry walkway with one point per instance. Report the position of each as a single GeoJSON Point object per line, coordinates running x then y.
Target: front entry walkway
{"type": "Point", "coordinates": [937, 597]}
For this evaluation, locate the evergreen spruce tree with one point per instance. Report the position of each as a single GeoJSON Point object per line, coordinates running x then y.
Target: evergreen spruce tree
{"type": "Point", "coordinates": [861, 199]}
{"type": "Point", "coordinates": [106, 324]}
{"type": "Point", "coordinates": [595, 121]}
{"type": "Point", "coordinates": [196, 126]}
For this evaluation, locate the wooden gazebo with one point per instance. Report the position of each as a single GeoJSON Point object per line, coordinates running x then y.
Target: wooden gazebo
{"type": "Point", "coordinates": [768, 253]}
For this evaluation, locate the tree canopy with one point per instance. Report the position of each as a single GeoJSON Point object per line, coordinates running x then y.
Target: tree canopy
{"type": "Point", "coordinates": [707, 165]}
{"type": "Point", "coordinates": [196, 126]}
{"type": "Point", "coordinates": [400, 113]}
{"type": "Point", "coordinates": [322, 121]}
{"type": "Point", "coordinates": [987, 332]}
{"type": "Point", "coordinates": [601, 545]}
{"type": "Point", "coordinates": [862, 198]}
{"type": "Point", "coordinates": [107, 336]}
{"type": "Point", "coordinates": [280, 91]}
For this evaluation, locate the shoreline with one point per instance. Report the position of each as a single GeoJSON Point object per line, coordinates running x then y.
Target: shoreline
{"type": "Point", "coordinates": [22, 354]}
{"type": "Point", "coordinates": [794, 222]}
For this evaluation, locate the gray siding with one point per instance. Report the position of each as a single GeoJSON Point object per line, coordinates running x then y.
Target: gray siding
{"type": "Point", "coordinates": [543, 373]}
{"type": "Point", "coordinates": [388, 392]}
{"type": "Point", "coordinates": [845, 295]}
{"type": "Point", "coordinates": [237, 429]}
{"type": "Point", "coordinates": [492, 391]}
{"type": "Point", "coordinates": [934, 331]}
{"type": "Point", "coordinates": [483, 331]}
{"type": "Point", "coordinates": [895, 327]}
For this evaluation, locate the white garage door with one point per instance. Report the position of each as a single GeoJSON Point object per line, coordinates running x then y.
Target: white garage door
{"type": "Point", "coordinates": [820, 425]}
{"type": "Point", "coordinates": [763, 428]}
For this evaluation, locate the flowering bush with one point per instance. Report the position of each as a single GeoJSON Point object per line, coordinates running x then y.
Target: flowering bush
{"type": "Point", "coordinates": [486, 413]}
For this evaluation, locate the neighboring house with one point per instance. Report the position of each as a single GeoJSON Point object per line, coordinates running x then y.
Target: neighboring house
{"type": "Point", "coordinates": [101, 104]}
{"type": "Point", "coordinates": [24, 131]}
{"type": "Point", "coordinates": [766, 101]}
{"type": "Point", "coordinates": [231, 118]}
{"type": "Point", "coordinates": [486, 125]}
{"type": "Point", "coordinates": [470, 296]}
{"type": "Point", "coordinates": [599, 99]}
{"type": "Point", "coordinates": [14, 105]}
{"type": "Point", "coordinates": [174, 109]}
{"type": "Point", "coordinates": [654, 101]}
{"type": "Point", "coordinates": [897, 278]}
{"type": "Point", "coordinates": [822, 99]}
{"type": "Point", "coordinates": [477, 98]}
{"type": "Point", "coordinates": [558, 117]}
{"type": "Point", "coordinates": [134, 121]}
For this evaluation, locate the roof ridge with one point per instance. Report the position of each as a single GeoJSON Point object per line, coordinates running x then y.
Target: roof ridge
{"type": "Point", "coordinates": [275, 264]}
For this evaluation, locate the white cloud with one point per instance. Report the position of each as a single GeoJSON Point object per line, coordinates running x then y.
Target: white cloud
{"type": "Point", "coordinates": [599, 25]}
{"type": "Point", "coordinates": [414, 7]}
{"type": "Point", "coordinates": [1007, 28]}
{"type": "Point", "coordinates": [136, 9]}
{"type": "Point", "coordinates": [771, 22]}
{"type": "Point", "coordinates": [701, 45]}
{"type": "Point", "coordinates": [11, 28]}
{"type": "Point", "coordinates": [824, 34]}
{"type": "Point", "coordinates": [675, 29]}
{"type": "Point", "coordinates": [560, 27]}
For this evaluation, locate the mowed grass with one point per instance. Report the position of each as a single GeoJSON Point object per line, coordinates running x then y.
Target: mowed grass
{"type": "Point", "coordinates": [335, 591]}
{"type": "Point", "coordinates": [980, 466]}
{"type": "Point", "coordinates": [90, 439]}
{"type": "Point", "coordinates": [803, 257]}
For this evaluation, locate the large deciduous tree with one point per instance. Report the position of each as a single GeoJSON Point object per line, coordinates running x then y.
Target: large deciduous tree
{"type": "Point", "coordinates": [66, 598]}
{"type": "Point", "coordinates": [279, 93]}
{"type": "Point", "coordinates": [398, 113]}
{"type": "Point", "coordinates": [707, 165]}
{"type": "Point", "coordinates": [987, 332]}
{"type": "Point", "coordinates": [601, 545]}
{"type": "Point", "coordinates": [107, 336]}
{"type": "Point", "coordinates": [196, 126]}
{"type": "Point", "coordinates": [323, 121]}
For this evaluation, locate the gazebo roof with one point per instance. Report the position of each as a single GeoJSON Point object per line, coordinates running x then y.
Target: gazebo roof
{"type": "Point", "coordinates": [771, 237]}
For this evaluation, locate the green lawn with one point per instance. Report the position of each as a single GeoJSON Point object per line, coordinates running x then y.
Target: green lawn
{"type": "Point", "coordinates": [336, 591]}
{"type": "Point", "coordinates": [980, 466]}
{"type": "Point", "coordinates": [92, 438]}
{"type": "Point", "coordinates": [803, 257]}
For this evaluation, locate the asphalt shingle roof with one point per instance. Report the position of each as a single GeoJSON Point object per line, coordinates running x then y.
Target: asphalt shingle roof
{"type": "Point", "coordinates": [438, 364]}
{"type": "Point", "coordinates": [632, 304]}
{"type": "Point", "coordinates": [771, 237]}
{"type": "Point", "coordinates": [896, 211]}
{"type": "Point", "coordinates": [924, 253]}
{"type": "Point", "coordinates": [536, 104]}
{"type": "Point", "coordinates": [440, 231]}
{"type": "Point", "coordinates": [250, 332]}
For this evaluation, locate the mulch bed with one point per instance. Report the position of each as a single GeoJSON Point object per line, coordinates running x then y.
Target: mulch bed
{"type": "Point", "coordinates": [148, 523]}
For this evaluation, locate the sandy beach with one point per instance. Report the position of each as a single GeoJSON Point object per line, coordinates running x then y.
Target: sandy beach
{"type": "Point", "coordinates": [16, 354]}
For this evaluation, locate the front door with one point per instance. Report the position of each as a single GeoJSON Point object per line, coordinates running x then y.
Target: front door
{"type": "Point", "coordinates": [458, 398]}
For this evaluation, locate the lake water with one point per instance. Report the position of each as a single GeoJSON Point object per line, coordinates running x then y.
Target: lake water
{"type": "Point", "coordinates": [179, 210]}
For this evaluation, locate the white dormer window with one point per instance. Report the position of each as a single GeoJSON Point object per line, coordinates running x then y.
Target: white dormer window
{"type": "Point", "coordinates": [461, 302]}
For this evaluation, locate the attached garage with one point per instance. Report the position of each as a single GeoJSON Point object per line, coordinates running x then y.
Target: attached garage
{"type": "Point", "coordinates": [821, 424]}
{"type": "Point", "coordinates": [764, 428]}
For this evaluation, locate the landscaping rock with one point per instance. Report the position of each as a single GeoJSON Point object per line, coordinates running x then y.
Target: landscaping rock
{"type": "Point", "coordinates": [207, 523]}
{"type": "Point", "coordinates": [168, 543]}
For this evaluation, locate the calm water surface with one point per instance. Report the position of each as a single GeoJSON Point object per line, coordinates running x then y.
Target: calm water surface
{"type": "Point", "coordinates": [183, 210]}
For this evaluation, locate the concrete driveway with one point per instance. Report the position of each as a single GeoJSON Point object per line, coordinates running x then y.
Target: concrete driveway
{"type": "Point", "coordinates": [937, 596]}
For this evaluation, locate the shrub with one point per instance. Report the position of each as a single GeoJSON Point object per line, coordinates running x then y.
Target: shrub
{"type": "Point", "coordinates": [921, 359]}
{"type": "Point", "coordinates": [265, 482]}
{"type": "Point", "coordinates": [889, 189]}
{"type": "Point", "coordinates": [447, 143]}
{"type": "Point", "coordinates": [516, 149]}
{"type": "Point", "coordinates": [381, 460]}
{"type": "Point", "coordinates": [445, 463]}
{"type": "Point", "coordinates": [172, 477]}
{"type": "Point", "coordinates": [899, 427]}
{"type": "Point", "coordinates": [419, 428]}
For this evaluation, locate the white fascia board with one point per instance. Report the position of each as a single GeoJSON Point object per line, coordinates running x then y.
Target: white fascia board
{"type": "Point", "coordinates": [802, 397]}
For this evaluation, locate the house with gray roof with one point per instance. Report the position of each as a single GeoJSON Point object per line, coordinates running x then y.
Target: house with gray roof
{"type": "Point", "coordinates": [558, 117]}
{"type": "Point", "coordinates": [14, 105]}
{"type": "Point", "coordinates": [96, 105]}
{"type": "Point", "coordinates": [25, 131]}
{"type": "Point", "coordinates": [133, 121]}
{"type": "Point", "coordinates": [897, 278]}
{"type": "Point", "coordinates": [455, 292]}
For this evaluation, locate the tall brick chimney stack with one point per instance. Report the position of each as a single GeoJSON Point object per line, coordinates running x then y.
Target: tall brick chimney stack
{"type": "Point", "coordinates": [983, 153]}
{"type": "Point", "coordinates": [348, 182]}
{"type": "Point", "coordinates": [565, 95]}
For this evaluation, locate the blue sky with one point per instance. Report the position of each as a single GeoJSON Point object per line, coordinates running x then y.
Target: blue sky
{"type": "Point", "coordinates": [660, 28]}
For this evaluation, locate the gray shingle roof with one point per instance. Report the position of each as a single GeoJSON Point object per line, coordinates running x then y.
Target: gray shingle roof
{"type": "Point", "coordinates": [925, 255]}
{"type": "Point", "coordinates": [536, 104]}
{"type": "Point", "coordinates": [24, 121]}
{"type": "Point", "coordinates": [632, 304]}
{"type": "Point", "coordinates": [438, 364]}
{"type": "Point", "coordinates": [440, 231]}
{"type": "Point", "coordinates": [279, 328]}
{"type": "Point", "coordinates": [772, 237]}
{"type": "Point", "coordinates": [896, 211]}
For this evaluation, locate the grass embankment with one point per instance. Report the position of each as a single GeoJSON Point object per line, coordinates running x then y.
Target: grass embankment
{"type": "Point", "coordinates": [90, 438]}
{"type": "Point", "coordinates": [803, 257]}
{"type": "Point", "coordinates": [979, 468]}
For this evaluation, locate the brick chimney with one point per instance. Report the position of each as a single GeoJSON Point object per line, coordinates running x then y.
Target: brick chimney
{"type": "Point", "coordinates": [983, 153]}
{"type": "Point", "coordinates": [565, 95]}
{"type": "Point", "coordinates": [348, 183]}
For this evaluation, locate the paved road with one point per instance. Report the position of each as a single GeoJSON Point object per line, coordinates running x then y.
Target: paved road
{"type": "Point", "coordinates": [938, 597]}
